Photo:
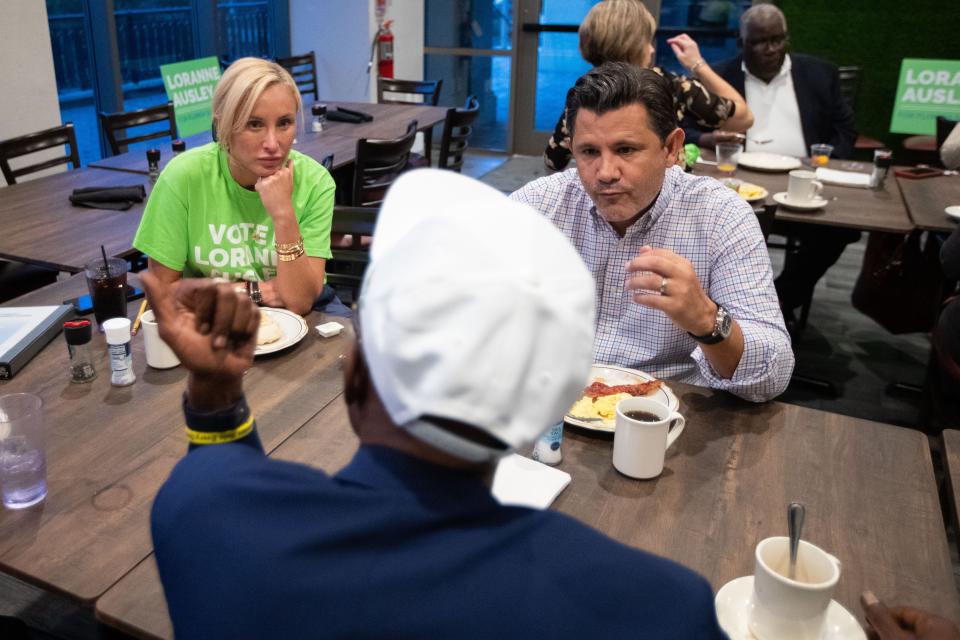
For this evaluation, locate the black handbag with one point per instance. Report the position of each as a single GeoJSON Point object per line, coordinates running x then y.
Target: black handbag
{"type": "Point", "coordinates": [900, 283]}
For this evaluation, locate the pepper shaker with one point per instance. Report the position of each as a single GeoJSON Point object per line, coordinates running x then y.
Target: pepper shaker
{"type": "Point", "coordinates": [77, 334]}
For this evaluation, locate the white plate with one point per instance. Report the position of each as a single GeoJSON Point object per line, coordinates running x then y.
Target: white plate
{"type": "Point", "coordinates": [762, 195]}
{"type": "Point", "coordinates": [619, 375]}
{"type": "Point", "coordinates": [734, 182]}
{"type": "Point", "coordinates": [733, 604]}
{"type": "Point", "coordinates": [953, 212]}
{"type": "Point", "coordinates": [768, 161]}
{"type": "Point", "coordinates": [814, 203]}
{"type": "Point", "coordinates": [293, 327]}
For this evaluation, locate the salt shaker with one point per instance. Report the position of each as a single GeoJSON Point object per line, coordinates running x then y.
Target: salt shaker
{"type": "Point", "coordinates": [882, 159]}
{"type": "Point", "coordinates": [319, 112]}
{"type": "Point", "coordinates": [77, 334]}
{"type": "Point", "coordinates": [547, 448]}
{"type": "Point", "coordinates": [153, 164]}
{"type": "Point", "coordinates": [178, 146]}
{"type": "Point", "coordinates": [117, 331]}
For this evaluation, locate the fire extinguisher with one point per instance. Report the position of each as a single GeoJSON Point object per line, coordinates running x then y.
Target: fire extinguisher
{"type": "Point", "coordinates": [385, 50]}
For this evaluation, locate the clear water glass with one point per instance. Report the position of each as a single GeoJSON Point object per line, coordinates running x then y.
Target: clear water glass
{"type": "Point", "coordinates": [23, 461]}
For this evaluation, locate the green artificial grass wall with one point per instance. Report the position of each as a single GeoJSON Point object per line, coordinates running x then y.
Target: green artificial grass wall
{"type": "Point", "coordinates": [874, 35]}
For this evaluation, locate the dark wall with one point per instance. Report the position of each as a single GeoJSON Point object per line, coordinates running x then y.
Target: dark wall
{"type": "Point", "coordinates": [875, 35]}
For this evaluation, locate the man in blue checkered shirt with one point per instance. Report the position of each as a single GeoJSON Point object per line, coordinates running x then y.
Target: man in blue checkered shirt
{"type": "Point", "coordinates": [684, 283]}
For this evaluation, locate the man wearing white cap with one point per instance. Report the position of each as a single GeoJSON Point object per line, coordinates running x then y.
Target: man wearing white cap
{"type": "Point", "coordinates": [683, 278]}
{"type": "Point", "coordinates": [469, 345]}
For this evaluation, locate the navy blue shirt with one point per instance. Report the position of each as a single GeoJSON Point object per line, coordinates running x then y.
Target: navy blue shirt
{"type": "Point", "coordinates": [250, 547]}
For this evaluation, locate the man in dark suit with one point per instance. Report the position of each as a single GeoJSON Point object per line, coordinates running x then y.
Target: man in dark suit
{"type": "Point", "coordinates": [796, 102]}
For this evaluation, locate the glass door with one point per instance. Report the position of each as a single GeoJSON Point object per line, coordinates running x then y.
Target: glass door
{"type": "Point", "coordinates": [548, 51]}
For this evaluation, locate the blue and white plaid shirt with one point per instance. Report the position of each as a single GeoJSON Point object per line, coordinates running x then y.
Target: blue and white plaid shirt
{"type": "Point", "coordinates": [713, 228]}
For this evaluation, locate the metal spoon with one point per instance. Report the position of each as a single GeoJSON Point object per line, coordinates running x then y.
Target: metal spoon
{"type": "Point", "coordinates": [795, 515]}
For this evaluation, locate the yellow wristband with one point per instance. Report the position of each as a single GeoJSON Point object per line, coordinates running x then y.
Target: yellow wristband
{"type": "Point", "coordinates": [221, 437]}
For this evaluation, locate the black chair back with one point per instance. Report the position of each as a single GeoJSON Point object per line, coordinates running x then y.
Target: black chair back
{"type": "Point", "coordinates": [765, 217]}
{"type": "Point", "coordinates": [944, 127]}
{"type": "Point", "coordinates": [849, 85]}
{"type": "Point", "coordinates": [377, 165]}
{"type": "Point", "coordinates": [38, 141]}
{"type": "Point", "coordinates": [456, 134]}
{"type": "Point", "coordinates": [346, 268]}
{"type": "Point", "coordinates": [303, 68]}
{"type": "Point", "coordinates": [115, 125]}
{"type": "Point", "coordinates": [428, 92]}
{"type": "Point", "coordinates": [327, 162]}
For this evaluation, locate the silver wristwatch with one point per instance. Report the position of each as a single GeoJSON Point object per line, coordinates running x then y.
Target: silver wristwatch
{"type": "Point", "coordinates": [253, 290]}
{"type": "Point", "coordinates": [721, 328]}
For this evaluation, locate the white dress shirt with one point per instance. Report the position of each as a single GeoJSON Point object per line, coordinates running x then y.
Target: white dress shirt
{"type": "Point", "coordinates": [776, 116]}
{"type": "Point", "coordinates": [711, 226]}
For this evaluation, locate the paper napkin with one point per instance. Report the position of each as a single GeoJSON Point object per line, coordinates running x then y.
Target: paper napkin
{"type": "Point", "coordinates": [522, 482]}
{"type": "Point", "coordinates": [843, 178]}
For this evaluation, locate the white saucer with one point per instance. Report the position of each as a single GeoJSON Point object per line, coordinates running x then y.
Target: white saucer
{"type": "Point", "coordinates": [953, 212]}
{"type": "Point", "coordinates": [733, 607]}
{"type": "Point", "coordinates": [809, 205]}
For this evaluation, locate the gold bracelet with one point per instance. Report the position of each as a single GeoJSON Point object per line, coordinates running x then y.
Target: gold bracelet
{"type": "Point", "coordinates": [290, 256]}
{"type": "Point", "coordinates": [696, 65]}
{"type": "Point", "coordinates": [286, 247]}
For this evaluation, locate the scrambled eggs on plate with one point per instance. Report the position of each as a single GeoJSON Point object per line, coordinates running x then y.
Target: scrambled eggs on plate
{"type": "Point", "coordinates": [605, 407]}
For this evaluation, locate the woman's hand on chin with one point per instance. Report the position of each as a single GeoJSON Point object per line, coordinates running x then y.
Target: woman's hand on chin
{"type": "Point", "coordinates": [276, 191]}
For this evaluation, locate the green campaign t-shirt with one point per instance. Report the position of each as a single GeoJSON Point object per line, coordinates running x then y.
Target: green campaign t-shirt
{"type": "Point", "coordinates": [199, 221]}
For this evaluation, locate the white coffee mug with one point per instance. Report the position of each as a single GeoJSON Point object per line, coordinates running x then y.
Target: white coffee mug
{"type": "Point", "coordinates": [640, 446]}
{"type": "Point", "coordinates": [159, 355]}
{"type": "Point", "coordinates": [791, 609]}
{"type": "Point", "coordinates": [803, 186]}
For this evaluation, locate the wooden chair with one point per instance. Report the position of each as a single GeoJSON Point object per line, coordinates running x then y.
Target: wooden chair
{"type": "Point", "coordinates": [429, 92]}
{"type": "Point", "coordinates": [456, 134]}
{"type": "Point", "coordinates": [38, 141]}
{"type": "Point", "coordinates": [944, 128]}
{"type": "Point", "coordinates": [303, 68]}
{"type": "Point", "coordinates": [765, 217]}
{"type": "Point", "coordinates": [16, 278]}
{"type": "Point", "coordinates": [850, 76]}
{"type": "Point", "coordinates": [116, 124]}
{"type": "Point", "coordinates": [346, 268]}
{"type": "Point", "coordinates": [377, 165]}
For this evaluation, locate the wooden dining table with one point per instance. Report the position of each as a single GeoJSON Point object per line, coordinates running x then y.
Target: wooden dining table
{"type": "Point", "coordinates": [110, 448]}
{"type": "Point", "coordinates": [850, 207]}
{"type": "Point", "coordinates": [927, 199]}
{"type": "Point", "coordinates": [951, 455]}
{"type": "Point", "coordinates": [40, 226]}
{"type": "Point", "coordinates": [869, 490]}
{"type": "Point", "coordinates": [337, 138]}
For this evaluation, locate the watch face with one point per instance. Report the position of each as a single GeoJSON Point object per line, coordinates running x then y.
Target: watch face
{"type": "Point", "coordinates": [725, 323]}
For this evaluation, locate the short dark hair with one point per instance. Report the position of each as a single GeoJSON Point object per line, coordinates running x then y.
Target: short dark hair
{"type": "Point", "coordinates": [614, 85]}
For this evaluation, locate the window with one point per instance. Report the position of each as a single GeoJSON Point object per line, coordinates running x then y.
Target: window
{"type": "Point", "coordinates": [149, 33]}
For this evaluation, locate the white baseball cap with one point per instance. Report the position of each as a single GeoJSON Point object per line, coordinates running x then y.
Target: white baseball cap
{"type": "Point", "coordinates": [475, 309]}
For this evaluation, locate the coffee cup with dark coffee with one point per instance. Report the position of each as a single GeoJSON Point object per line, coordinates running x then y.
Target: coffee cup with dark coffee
{"type": "Point", "coordinates": [645, 430]}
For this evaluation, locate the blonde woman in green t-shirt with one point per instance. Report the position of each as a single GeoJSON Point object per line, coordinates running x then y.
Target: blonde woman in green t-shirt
{"type": "Point", "coordinates": [246, 208]}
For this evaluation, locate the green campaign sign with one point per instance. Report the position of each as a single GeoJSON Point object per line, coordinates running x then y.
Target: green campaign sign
{"type": "Point", "coordinates": [927, 89]}
{"type": "Point", "coordinates": [190, 87]}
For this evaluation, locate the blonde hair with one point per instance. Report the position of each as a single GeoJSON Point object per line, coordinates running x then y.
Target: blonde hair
{"type": "Point", "coordinates": [616, 31]}
{"type": "Point", "coordinates": [238, 90]}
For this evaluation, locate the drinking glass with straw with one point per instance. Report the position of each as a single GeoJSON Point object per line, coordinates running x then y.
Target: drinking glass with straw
{"type": "Point", "coordinates": [107, 282]}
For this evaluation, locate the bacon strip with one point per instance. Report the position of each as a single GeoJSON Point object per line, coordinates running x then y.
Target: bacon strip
{"type": "Point", "coordinates": [598, 389]}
